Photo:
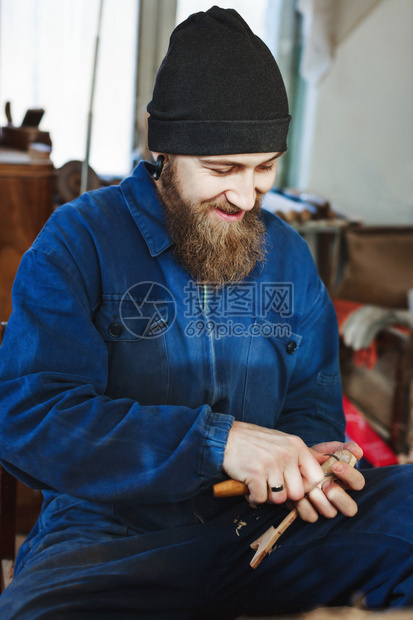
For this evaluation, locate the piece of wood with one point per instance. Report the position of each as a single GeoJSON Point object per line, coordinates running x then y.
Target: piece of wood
{"type": "Point", "coordinates": [229, 488]}
{"type": "Point", "coordinates": [265, 543]}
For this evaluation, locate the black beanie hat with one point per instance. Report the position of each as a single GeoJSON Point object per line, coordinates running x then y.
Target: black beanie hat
{"type": "Point", "coordinates": [218, 91]}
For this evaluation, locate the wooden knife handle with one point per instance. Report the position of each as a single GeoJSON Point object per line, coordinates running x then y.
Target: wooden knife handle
{"type": "Point", "coordinates": [230, 488]}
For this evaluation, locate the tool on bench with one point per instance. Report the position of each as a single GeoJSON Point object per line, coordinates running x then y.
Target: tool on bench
{"type": "Point", "coordinates": [265, 543]}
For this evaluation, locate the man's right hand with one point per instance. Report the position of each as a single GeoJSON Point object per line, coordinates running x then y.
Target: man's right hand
{"type": "Point", "coordinates": [263, 458]}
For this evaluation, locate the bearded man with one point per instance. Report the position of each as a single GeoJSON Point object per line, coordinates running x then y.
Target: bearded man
{"type": "Point", "coordinates": [167, 334]}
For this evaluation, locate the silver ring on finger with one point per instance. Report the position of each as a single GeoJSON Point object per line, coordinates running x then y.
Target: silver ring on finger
{"type": "Point", "coordinates": [277, 489]}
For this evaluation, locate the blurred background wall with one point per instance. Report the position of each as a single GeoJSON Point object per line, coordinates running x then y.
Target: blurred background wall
{"type": "Point", "coordinates": [361, 155]}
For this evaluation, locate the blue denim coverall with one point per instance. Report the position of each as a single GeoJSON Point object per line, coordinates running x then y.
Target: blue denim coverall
{"type": "Point", "coordinates": [120, 379]}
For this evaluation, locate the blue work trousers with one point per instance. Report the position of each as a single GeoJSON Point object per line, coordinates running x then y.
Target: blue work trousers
{"type": "Point", "coordinates": [89, 565]}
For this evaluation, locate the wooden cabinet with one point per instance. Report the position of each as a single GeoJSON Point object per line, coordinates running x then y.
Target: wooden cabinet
{"type": "Point", "coordinates": [26, 201]}
{"type": "Point", "coordinates": [384, 393]}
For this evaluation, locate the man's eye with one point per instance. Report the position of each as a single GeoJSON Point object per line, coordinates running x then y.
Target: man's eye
{"type": "Point", "coordinates": [221, 172]}
{"type": "Point", "coordinates": [266, 168]}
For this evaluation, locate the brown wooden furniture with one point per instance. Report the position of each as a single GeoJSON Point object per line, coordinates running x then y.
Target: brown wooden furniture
{"type": "Point", "coordinates": [377, 265]}
{"type": "Point", "coordinates": [377, 269]}
{"type": "Point", "coordinates": [324, 240]}
{"type": "Point", "coordinates": [385, 393]}
{"type": "Point", "coordinates": [26, 201]}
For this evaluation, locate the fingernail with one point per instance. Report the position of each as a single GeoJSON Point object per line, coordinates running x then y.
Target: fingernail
{"type": "Point", "coordinates": [338, 468]}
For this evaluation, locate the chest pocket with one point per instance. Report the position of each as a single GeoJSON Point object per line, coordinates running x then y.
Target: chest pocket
{"type": "Point", "coordinates": [133, 330]}
{"type": "Point", "coordinates": [272, 357]}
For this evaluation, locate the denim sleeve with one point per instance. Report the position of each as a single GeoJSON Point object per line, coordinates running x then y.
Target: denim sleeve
{"type": "Point", "coordinates": [313, 406]}
{"type": "Point", "coordinates": [58, 429]}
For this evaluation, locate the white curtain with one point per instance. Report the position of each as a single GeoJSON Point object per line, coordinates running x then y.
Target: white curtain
{"type": "Point", "coordinates": [318, 47]}
{"type": "Point", "coordinates": [46, 61]}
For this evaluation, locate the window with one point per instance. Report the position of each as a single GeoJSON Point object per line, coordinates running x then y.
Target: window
{"type": "Point", "coordinates": [46, 61]}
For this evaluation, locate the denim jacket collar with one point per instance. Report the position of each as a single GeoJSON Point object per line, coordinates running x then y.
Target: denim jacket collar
{"type": "Point", "coordinates": [140, 195]}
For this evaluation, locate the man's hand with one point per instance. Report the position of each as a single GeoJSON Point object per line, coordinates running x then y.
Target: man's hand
{"type": "Point", "coordinates": [263, 458]}
{"type": "Point", "coordinates": [332, 498]}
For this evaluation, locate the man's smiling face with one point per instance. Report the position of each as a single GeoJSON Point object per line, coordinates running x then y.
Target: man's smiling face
{"type": "Point", "coordinates": [236, 180]}
{"type": "Point", "coordinates": [213, 211]}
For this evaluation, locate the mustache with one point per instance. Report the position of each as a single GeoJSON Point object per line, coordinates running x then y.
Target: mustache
{"type": "Point", "coordinates": [227, 207]}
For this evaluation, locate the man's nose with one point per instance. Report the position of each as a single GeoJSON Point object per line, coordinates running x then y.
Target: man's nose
{"type": "Point", "coordinates": [242, 192]}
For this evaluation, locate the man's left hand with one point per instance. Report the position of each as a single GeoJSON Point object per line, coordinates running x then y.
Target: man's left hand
{"type": "Point", "coordinates": [332, 497]}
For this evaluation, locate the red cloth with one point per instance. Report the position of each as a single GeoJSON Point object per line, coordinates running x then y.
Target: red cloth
{"type": "Point", "coordinates": [344, 308]}
{"type": "Point", "coordinates": [364, 357]}
{"type": "Point", "coordinates": [375, 449]}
